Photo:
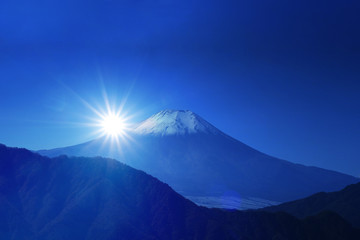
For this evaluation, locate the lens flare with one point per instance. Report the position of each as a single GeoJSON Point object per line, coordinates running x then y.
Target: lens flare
{"type": "Point", "coordinates": [110, 123]}
{"type": "Point", "coordinates": [113, 125]}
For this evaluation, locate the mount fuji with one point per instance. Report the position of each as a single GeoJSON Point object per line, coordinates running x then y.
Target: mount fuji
{"type": "Point", "coordinates": [171, 122]}
{"type": "Point", "coordinates": [207, 166]}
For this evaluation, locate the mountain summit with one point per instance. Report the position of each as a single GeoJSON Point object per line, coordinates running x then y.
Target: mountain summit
{"type": "Point", "coordinates": [175, 122]}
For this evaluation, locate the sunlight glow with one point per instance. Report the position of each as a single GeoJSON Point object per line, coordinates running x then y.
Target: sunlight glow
{"type": "Point", "coordinates": [113, 125]}
{"type": "Point", "coordinates": [110, 123]}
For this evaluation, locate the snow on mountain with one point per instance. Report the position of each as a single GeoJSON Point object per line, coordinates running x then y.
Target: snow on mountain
{"type": "Point", "coordinates": [175, 122]}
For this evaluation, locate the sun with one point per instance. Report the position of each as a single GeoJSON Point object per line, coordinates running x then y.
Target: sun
{"type": "Point", "coordinates": [110, 122]}
{"type": "Point", "coordinates": [113, 125]}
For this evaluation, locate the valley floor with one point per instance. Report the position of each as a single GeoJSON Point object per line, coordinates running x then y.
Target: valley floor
{"type": "Point", "coordinates": [231, 202]}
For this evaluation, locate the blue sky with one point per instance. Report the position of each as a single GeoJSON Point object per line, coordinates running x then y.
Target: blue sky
{"type": "Point", "coordinates": [280, 76]}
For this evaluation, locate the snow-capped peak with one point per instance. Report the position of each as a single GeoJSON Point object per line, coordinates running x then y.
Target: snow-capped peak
{"type": "Point", "coordinates": [175, 122]}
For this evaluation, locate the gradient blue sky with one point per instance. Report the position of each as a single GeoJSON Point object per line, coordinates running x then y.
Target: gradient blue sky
{"type": "Point", "coordinates": [280, 76]}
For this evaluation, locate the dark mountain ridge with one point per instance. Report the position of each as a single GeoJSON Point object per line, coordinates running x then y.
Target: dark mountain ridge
{"type": "Point", "coordinates": [97, 198]}
{"type": "Point", "coordinates": [345, 202]}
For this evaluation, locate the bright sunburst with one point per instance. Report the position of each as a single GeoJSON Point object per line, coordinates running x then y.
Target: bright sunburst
{"type": "Point", "coordinates": [110, 123]}
{"type": "Point", "coordinates": [113, 125]}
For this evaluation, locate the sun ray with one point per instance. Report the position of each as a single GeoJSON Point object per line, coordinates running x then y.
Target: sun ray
{"type": "Point", "coordinates": [110, 121]}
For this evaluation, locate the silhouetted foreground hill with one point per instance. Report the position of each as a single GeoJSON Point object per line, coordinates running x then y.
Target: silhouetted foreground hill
{"type": "Point", "coordinates": [345, 202]}
{"type": "Point", "coordinates": [96, 198]}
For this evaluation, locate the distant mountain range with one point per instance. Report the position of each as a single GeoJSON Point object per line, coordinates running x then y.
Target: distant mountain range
{"type": "Point", "coordinates": [203, 163]}
{"type": "Point", "coordinates": [103, 199]}
{"type": "Point", "coordinates": [345, 202]}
